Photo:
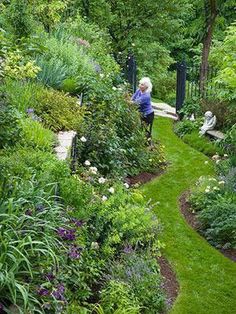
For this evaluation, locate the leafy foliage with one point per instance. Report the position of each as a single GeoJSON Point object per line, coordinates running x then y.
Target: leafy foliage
{"type": "Point", "coordinates": [10, 129]}
{"type": "Point", "coordinates": [141, 274]}
{"type": "Point", "coordinates": [202, 144]}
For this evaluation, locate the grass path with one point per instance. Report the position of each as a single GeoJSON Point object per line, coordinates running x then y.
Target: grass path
{"type": "Point", "coordinates": [207, 279]}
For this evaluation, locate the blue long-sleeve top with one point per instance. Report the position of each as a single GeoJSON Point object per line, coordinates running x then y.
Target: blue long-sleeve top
{"type": "Point", "coordinates": [144, 102]}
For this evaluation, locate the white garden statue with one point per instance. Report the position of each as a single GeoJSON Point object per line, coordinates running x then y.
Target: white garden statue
{"type": "Point", "coordinates": [209, 122]}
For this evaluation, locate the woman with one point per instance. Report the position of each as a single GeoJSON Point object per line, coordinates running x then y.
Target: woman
{"type": "Point", "coordinates": [142, 98]}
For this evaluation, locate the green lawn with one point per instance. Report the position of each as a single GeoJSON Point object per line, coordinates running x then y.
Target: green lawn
{"type": "Point", "coordinates": [207, 279]}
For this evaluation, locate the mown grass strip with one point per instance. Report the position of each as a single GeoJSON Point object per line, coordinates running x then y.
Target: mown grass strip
{"type": "Point", "coordinates": [207, 279]}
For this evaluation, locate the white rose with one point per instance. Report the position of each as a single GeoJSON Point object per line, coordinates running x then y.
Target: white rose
{"type": "Point", "coordinates": [104, 198]}
{"type": "Point", "coordinates": [111, 190]}
{"type": "Point", "coordinates": [87, 163]}
{"type": "Point", "coordinates": [126, 185]}
{"type": "Point", "coordinates": [83, 139]}
{"type": "Point", "coordinates": [101, 180]}
{"type": "Point", "coordinates": [93, 170]}
{"type": "Point", "coordinates": [207, 190]}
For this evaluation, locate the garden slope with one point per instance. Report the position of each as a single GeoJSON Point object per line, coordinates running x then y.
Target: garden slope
{"type": "Point", "coordinates": [207, 279]}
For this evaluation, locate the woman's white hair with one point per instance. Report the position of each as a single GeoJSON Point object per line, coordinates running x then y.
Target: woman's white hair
{"type": "Point", "coordinates": [147, 82]}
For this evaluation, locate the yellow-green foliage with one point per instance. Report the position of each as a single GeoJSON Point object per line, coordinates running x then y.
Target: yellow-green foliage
{"type": "Point", "coordinates": [17, 68]}
{"type": "Point", "coordinates": [58, 110]}
{"type": "Point", "coordinates": [35, 135]}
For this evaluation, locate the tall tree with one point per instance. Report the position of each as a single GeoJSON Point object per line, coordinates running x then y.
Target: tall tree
{"type": "Point", "coordinates": [211, 11]}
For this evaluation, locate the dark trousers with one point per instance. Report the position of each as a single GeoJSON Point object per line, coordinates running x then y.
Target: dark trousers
{"type": "Point", "coordinates": [148, 122]}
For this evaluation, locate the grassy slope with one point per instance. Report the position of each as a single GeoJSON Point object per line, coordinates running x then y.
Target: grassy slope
{"type": "Point", "coordinates": [207, 279]}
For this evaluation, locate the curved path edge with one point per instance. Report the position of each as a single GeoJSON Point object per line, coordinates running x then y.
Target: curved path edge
{"type": "Point", "coordinates": [207, 279]}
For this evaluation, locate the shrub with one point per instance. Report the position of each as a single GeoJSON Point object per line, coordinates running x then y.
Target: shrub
{"type": "Point", "coordinates": [201, 144]}
{"type": "Point", "coordinates": [229, 142]}
{"type": "Point", "coordinates": [36, 136]}
{"type": "Point", "coordinates": [27, 163]}
{"type": "Point", "coordinates": [215, 203]}
{"type": "Point", "coordinates": [185, 127]}
{"type": "Point", "coordinates": [10, 129]}
{"type": "Point", "coordinates": [58, 110]}
{"type": "Point", "coordinates": [115, 144]}
{"type": "Point", "coordinates": [219, 224]}
{"type": "Point", "coordinates": [21, 94]}
{"type": "Point", "coordinates": [140, 272]}
{"type": "Point", "coordinates": [191, 106]}
{"type": "Point", "coordinates": [117, 296]}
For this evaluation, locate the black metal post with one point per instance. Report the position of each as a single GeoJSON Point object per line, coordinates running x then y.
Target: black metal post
{"type": "Point", "coordinates": [180, 85]}
{"type": "Point", "coordinates": [132, 71]}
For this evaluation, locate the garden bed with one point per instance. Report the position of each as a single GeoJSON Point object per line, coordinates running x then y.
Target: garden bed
{"type": "Point", "coordinates": [193, 221]}
{"type": "Point", "coordinates": [170, 283]}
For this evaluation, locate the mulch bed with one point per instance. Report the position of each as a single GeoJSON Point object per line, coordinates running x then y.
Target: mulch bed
{"type": "Point", "coordinates": [192, 220]}
{"type": "Point", "coordinates": [143, 177]}
{"type": "Point", "coordinates": [170, 284]}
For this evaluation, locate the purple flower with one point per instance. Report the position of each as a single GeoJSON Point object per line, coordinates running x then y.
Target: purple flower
{"type": "Point", "coordinates": [66, 234]}
{"type": "Point", "coordinates": [30, 110]}
{"type": "Point", "coordinates": [77, 222]}
{"type": "Point", "coordinates": [50, 276]}
{"type": "Point", "coordinates": [128, 249]}
{"type": "Point", "coordinates": [59, 292]}
{"type": "Point", "coordinates": [74, 252]}
{"type": "Point", "coordinates": [43, 291]}
{"type": "Point", "coordinates": [28, 212]}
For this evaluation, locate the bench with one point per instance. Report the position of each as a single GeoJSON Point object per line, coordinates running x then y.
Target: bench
{"type": "Point", "coordinates": [217, 134]}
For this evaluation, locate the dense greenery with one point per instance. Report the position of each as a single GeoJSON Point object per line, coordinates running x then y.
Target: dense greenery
{"type": "Point", "coordinates": [86, 242]}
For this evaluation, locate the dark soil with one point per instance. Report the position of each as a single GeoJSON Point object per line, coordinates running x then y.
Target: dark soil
{"type": "Point", "coordinates": [170, 283]}
{"type": "Point", "coordinates": [192, 220]}
{"type": "Point", "coordinates": [143, 177]}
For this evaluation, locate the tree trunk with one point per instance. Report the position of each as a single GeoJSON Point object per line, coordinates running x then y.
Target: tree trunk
{"type": "Point", "coordinates": [211, 13]}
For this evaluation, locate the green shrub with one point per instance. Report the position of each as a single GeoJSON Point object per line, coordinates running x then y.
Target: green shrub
{"type": "Point", "coordinates": [191, 106]}
{"type": "Point", "coordinates": [229, 142]}
{"type": "Point", "coordinates": [58, 110]}
{"type": "Point", "coordinates": [141, 273]}
{"type": "Point", "coordinates": [215, 203]}
{"type": "Point", "coordinates": [53, 71]}
{"type": "Point", "coordinates": [27, 163]}
{"type": "Point", "coordinates": [202, 144]}
{"type": "Point", "coordinates": [21, 95]}
{"type": "Point", "coordinates": [36, 136]}
{"type": "Point", "coordinates": [115, 144]}
{"type": "Point", "coordinates": [70, 86]}
{"type": "Point", "coordinates": [219, 224]}
{"type": "Point", "coordinates": [10, 129]}
{"type": "Point", "coordinates": [117, 296]}
{"type": "Point", "coordinates": [185, 127]}
{"type": "Point", "coordinates": [76, 194]}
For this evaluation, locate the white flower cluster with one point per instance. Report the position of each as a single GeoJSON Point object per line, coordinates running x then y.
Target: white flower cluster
{"type": "Point", "coordinates": [83, 139]}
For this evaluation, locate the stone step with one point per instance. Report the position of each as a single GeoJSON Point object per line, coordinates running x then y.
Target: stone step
{"type": "Point", "coordinates": [64, 144]}
{"type": "Point", "coordinates": [164, 114]}
{"type": "Point", "coordinates": [164, 107]}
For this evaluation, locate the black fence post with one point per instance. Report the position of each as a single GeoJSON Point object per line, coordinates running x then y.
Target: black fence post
{"type": "Point", "coordinates": [180, 85]}
{"type": "Point", "coordinates": [131, 71]}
